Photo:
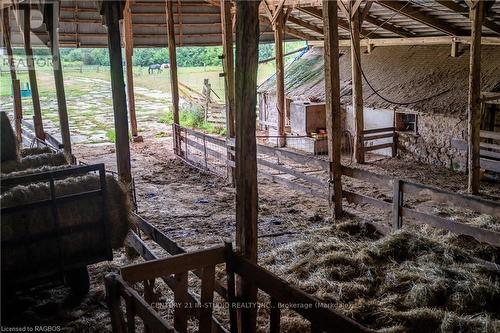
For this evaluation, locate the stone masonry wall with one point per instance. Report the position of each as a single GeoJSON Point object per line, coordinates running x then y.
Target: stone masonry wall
{"type": "Point", "coordinates": [432, 143]}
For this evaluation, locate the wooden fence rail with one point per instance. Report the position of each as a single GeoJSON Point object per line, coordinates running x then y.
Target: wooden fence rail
{"type": "Point", "coordinates": [143, 249]}
{"type": "Point", "coordinates": [168, 245]}
{"type": "Point", "coordinates": [280, 292]}
{"type": "Point", "coordinates": [380, 133]}
{"type": "Point", "coordinates": [489, 151]}
{"type": "Point", "coordinates": [201, 150]}
{"type": "Point", "coordinates": [318, 187]}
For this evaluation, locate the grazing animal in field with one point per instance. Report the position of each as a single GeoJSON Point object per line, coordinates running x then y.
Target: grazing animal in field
{"type": "Point", "coordinates": [165, 66]}
{"type": "Point", "coordinates": [154, 67]}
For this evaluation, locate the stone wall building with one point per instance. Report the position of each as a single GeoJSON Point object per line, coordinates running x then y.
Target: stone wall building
{"type": "Point", "coordinates": [400, 75]}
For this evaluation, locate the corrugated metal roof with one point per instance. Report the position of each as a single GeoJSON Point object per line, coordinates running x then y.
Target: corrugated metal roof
{"type": "Point", "coordinates": [197, 22]}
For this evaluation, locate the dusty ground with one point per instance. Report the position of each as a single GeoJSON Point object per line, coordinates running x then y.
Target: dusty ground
{"type": "Point", "coordinates": [197, 210]}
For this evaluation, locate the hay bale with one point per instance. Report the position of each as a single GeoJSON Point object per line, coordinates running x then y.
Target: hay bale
{"type": "Point", "coordinates": [45, 168]}
{"type": "Point", "coordinates": [75, 246]}
{"type": "Point", "coordinates": [9, 149]}
{"type": "Point", "coordinates": [36, 151]}
{"type": "Point", "coordinates": [34, 162]}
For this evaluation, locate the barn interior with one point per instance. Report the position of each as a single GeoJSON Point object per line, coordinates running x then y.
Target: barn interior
{"type": "Point", "coordinates": [355, 190]}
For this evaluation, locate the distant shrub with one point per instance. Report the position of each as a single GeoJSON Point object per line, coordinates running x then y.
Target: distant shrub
{"type": "Point", "coordinates": [193, 118]}
{"type": "Point", "coordinates": [111, 135]}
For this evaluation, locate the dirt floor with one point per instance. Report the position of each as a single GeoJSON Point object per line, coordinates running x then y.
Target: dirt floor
{"type": "Point", "coordinates": [197, 211]}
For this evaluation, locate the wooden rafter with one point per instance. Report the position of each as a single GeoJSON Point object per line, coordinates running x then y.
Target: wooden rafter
{"type": "Point", "coordinates": [267, 19]}
{"type": "Point", "coordinates": [372, 20]}
{"type": "Point", "coordinates": [290, 31]}
{"type": "Point", "coordinates": [267, 9]}
{"type": "Point", "coordinates": [318, 13]}
{"type": "Point", "coordinates": [343, 8]}
{"type": "Point", "coordinates": [464, 11]}
{"type": "Point", "coordinates": [305, 24]}
{"type": "Point", "coordinates": [355, 6]}
{"type": "Point", "coordinates": [277, 11]}
{"type": "Point", "coordinates": [270, 18]}
{"type": "Point", "coordinates": [366, 10]}
{"type": "Point", "coordinates": [416, 14]}
{"type": "Point", "coordinates": [388, 26]}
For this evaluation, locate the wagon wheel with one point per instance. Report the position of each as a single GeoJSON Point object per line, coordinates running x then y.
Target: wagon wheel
{"type": "Point", "coordinates": [78, 280]}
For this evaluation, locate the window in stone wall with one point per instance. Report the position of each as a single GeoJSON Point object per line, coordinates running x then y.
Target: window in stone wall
{"type": "Point", "coordinates": [406, 122]}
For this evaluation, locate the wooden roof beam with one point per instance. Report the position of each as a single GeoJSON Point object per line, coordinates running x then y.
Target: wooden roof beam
{"type": "Point", "coordinates": [388, 26]}
{"type": "Point", "coordinates": [464, 11]}
{"type": "Point", "coordinates": [299, 34]}
{"type": "Point", "coordinates": [290, 31]}
{"type": "Point", "coordinates": [318, 13]}
{"type": "Point", "coordinates": [438, 40]}
{"type": "Point", "coordinates": [372, 20]}
{"type": "Point", "coordinates": [305, 24]}
{"type": "Point", "coordinates": [366, 10]}
{"type": "Point", "coordinates": [413, 12]}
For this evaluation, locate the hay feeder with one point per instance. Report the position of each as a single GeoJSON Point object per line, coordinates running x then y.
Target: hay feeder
{"type": "Point", "coordinates": [49, 234]}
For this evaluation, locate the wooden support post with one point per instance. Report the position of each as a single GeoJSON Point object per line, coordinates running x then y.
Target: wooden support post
{"type": "Point", "coordinates": [274, 318]}
{"type": "Point", "coordinates": [395, 145]}
{"type": "Point", "coordinates": [37, 113]}
{"type": "Point", "coordinates": [113, 12]}
{"type": "Point", "coordinates": [280, 77]}
{"type": "Point", "coordinates": [18, 110]}
{"type": "Point", "coordinates": [16, 85]}
{"type": "Point", "coordinates": [113, 302]}
{"type": "Point", "coordinates": [207, 91]}
{"type": "Point", "coordinates": [173, 60]}
{"type": "Point", "coordinates": [247, 50]}
{"type": "Point", "coordinates": [369, 48]}
{"type": "Point", "coordinates": [333, 110]}
{"type": "Point", "coordinates": [454, 48]}
{"type": "Point", "coordinates": [52, 23]}
{"type": "Point", "coordinates": [129, 52]}
{"type": "Point", "coordinates": [228, 61]}
{"type": "Point", "coordinates": [357, 88]}
{"type": "Point", "coordinates": [474, 114]}
{"type": "Point", "coordinates": [397, 203]}
{"type": "Point", "coordinates": [231, 287]}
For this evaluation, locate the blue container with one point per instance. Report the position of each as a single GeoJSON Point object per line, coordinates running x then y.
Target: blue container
{"type": "Point", "coordinates": [26, 92]}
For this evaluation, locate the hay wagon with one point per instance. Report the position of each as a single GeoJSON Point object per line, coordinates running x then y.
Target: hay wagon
{"type": "Point", "coordinates": [49, 239]}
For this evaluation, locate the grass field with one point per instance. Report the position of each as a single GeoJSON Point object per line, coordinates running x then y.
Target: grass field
{"type": "Point", "coordinates": [88, 95]}
{"type": "Point", "coordinates": [190, 76]}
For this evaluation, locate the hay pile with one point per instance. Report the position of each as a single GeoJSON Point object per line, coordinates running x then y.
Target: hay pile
{"type": "Point", "coordinates": [41, 169]}
{"type": "Point", "coordinates": [35, 151]}
{"type": "Point", "coordinates": [8, 148]}
{"type": "Point", "coordinates": [77, 246]}
{"type": "Point", "coordinates": [403, 282]}
{"type": "Point", "coordinates": [33, 162]}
